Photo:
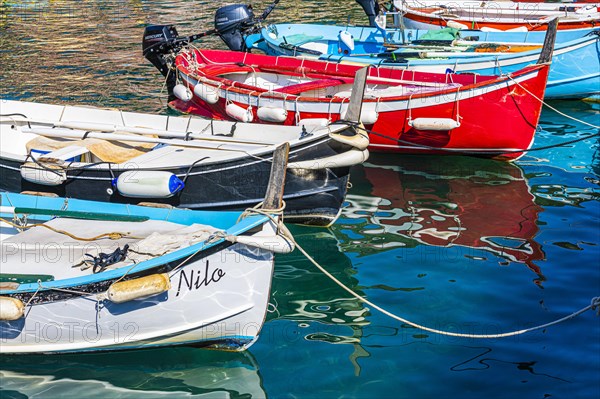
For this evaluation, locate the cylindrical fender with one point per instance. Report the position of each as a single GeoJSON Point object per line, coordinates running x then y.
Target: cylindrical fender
{"type": "Point", "coordinates": [345, 159]}
{"type": "Point", "coordinates": [11, 308]}
{"type": "Point", "coordinates": [182, 92]}
{"type": "Point", "coordinates": [277, 244]}
{"type": "Point", "coordinates": [239, 113]}
{"type": "Point", "coordinates": [272, 114]}
{"type": "Point", "coordinates": [148, 184]}
{"type": "Point", "coordinates": [442, 124]}
{"type": "Point", "coordinates": [207, 93]}
{"type": "Point", "coordinates": [37, 174]}
{"type": "Point", "coordinates": [143, 287]}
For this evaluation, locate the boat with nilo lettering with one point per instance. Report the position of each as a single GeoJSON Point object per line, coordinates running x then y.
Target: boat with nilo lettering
{"type": "Point", "coordinates": [83, 276]}
{"type": "Point", "coordinates": [185, 161]}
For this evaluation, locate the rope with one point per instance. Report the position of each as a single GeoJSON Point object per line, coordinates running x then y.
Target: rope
{"type": "Point", "coordinates": [554, 109]}
{"type": "Point", "coordinates": [112, 235]}
{"type": "Point", "coordinates": [461, 151]}
{"type": "Point", "coordinates": [594, 305]}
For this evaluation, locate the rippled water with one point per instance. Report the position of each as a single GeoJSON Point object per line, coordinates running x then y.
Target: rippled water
{"type": "Point", "coordinates": [455, 243]}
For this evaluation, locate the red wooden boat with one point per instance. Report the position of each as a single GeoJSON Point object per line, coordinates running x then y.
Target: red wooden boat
{"type": "Point", "coordinates": [407, 111]}
{"type": "Point", "coordinates": [496, 15]}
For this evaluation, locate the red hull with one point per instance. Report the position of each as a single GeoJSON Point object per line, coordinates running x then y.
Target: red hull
{"type": "Point", "coordinates": [497, 116]}
{"type": "Point", "coordinates": [531, 26]}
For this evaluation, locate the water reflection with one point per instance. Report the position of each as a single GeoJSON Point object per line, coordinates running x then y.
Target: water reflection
{"type": "Point", "coordinates": [167, 372]}
{"type": "Point", "coordinates": [443, 202]}
{"type": "Point", "coordinates": [89, 52]}
{"type": "Point", "coordinates": [304, 295]}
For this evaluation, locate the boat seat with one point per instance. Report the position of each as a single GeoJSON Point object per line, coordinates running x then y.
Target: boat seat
{"type": "Point", "coordinates": [308, 86]}
{"type": "Point", "coordinates": [70, 153]}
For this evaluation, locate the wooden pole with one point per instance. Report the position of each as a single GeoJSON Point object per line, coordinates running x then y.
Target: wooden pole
{"type": "Point", "coordinates": [356, 98]}
{"type": "Point", "coordinates": [274, 196]}
{"type": "Point", "coordinates": [546, 53]}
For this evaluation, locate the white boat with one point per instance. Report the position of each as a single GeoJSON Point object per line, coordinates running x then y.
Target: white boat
{"type": "Point", "coordinates": [184, 161]}
{"type": "Point", "coordinates": [81, 276]}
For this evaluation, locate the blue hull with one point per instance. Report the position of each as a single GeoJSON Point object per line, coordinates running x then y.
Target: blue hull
{"type": "Point", "coordinates": [575, 70]}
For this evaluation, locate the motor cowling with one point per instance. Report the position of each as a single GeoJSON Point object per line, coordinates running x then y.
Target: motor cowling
{"type": "Point", "coordinates": [157, 42]}
{"type": "Point", "coordinates": [232, 22]}
{"type": "Point", "coordinates": [371, 8]}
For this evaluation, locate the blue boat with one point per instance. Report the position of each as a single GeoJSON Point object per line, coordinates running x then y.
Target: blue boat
{"type": "Point", "coordinates": [575, 71]}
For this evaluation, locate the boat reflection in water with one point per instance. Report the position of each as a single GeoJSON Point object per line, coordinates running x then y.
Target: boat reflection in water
{"type": "Point", "coordinates": [475, 204]}
{"type": "Point", "coordinates": [167, 372]}
{"type": "Point", "coordinates": [305, 296]}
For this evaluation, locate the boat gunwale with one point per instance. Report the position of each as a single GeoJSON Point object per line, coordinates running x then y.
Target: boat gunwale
{"type": "Point", "coordinates": [494, 80]}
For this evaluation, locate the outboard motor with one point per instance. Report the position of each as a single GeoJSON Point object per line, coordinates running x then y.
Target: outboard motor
{"type": "Point", "coordinates": [158, 42]}
{"type": "Point", "coordinates": [231, 22]}
{"type": "Point", "coordinates": [158, 45]}
{"type": "Point", "coordinates": [371, 8]}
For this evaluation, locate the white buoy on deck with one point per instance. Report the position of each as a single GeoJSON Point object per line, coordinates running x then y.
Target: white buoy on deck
{"type": "Point", "coordinates": [347, 39]}
{"type": "Point", "coordinates": [148, 184]}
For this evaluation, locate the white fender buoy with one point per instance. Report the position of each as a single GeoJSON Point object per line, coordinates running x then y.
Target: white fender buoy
{"type": "Point", "coordinates": [239, 113]}
{"type": "Point", "coordinates": [356, 140]}
{"type": "Point", "coordinates": [313, 122]}
{"type": "Point", "coordinates": [456, 25]}
{"type": "Point", "coordinates": [148, 184]}
{"type": "Point", "coordinates": [367, 116]}
{"type": "Point", "coordinates": [11, 308]}
{"type": "Point", "coordinates": [207, 93]}
{"type": "Point", "coordinates": [443, 124]}
{"type": "Point", "coordinates": [49, 175]}
{"type": "Point", "coordinates": [343, 160]}
{"type": "Point", "coordinates": [277, 244]}
{"type": "Point", "coordinates": [182, 92]}
{"type": "Point", "coordinates": [137, 288]}
{"type": "Point", "coordinates": [347, 39]}
{"type": "Point", "coordinates": [272, 114]}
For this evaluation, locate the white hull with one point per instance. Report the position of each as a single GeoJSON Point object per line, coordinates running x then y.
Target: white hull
{"type": "Point", "coordinates": [218, 301]}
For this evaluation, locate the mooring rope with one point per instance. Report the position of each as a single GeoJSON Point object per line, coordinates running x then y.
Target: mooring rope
{"type": "Point", "coordinates": [594, 305]}
{"type": "Point", "coordinates": [461, 151]}
{"type": "Point", "coordinates": [552, 108]}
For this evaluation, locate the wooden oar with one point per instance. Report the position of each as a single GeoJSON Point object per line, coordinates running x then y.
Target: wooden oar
{"type": "Point", "coordinates": [79, 135]}
{"type": "Point", "coordinates": [109, 128]}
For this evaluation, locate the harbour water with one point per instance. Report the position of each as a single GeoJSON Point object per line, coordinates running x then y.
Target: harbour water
{"type": "Point", "coordinates": [454, 243]}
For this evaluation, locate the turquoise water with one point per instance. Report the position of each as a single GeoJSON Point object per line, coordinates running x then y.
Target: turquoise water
{"type": "Point", "coordinates": [454, 243]}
